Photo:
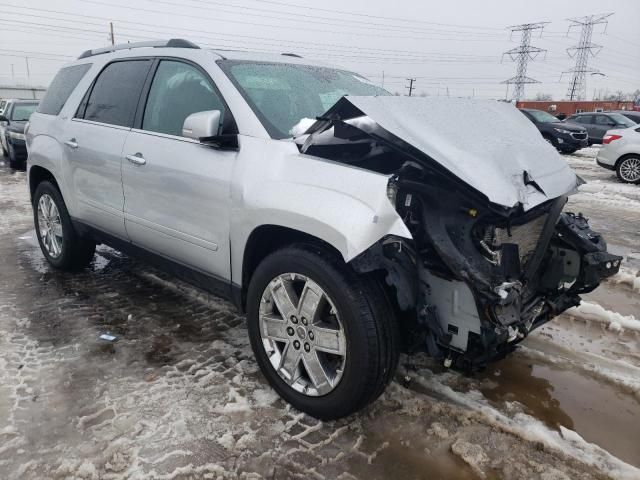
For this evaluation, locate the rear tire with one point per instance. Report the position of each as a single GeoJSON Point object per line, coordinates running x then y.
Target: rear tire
{"type": "Point", "coordinates": [11, 156]}
{"type": "Point", "coordinates": [371, 341]}
{"type": "Point", "coordinates": [61, 245]}
{"type": "Point", "coordinates": [628, 169]}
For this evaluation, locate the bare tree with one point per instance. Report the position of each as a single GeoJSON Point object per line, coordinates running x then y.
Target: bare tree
{"type": "Point", "coordinates": [543, 97]}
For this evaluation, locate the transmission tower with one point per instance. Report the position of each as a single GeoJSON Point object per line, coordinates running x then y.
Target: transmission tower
{"type": "Point", "coordinates": [581, 52]}
{"type": "Point", "coordinates": [522, 55]}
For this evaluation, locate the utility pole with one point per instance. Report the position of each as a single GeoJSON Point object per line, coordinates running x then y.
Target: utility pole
{"type": "Point", "coordinates": [410, 87]}
{"type": "Point", "coordinates": [382, 78]}
{"type": "Point", "coordinates": [578, 87]}
{"type": "Point", "coordinates": [113, 41]}
{"type": "Point", "coordinates": [12, 72]}
{"type": "Point", "coordinates": [521, 55]}
{"type": "Point", "coordinates": [26, 59]}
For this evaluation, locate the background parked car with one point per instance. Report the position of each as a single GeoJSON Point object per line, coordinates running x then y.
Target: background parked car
{"type": "Point", "coordinates": [621, 152]}
{"type": "Point", "coordinates": [567, 137]}
{"type": "Point", "coordinates": [597, 124]}
{"type": "Point", "coordinates": [13, 121]}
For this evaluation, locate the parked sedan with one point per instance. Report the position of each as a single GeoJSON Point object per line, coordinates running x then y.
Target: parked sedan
{"type": "Point", "coordinates": [597, 124]}
{"type": "Point", "coordinates": [567, 137]}
{"type": "Point", "coordinates": [621, 152]}
{"type": "Point", "coordinates": [13, 121]}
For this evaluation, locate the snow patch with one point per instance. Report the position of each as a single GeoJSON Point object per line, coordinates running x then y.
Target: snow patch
{"type": "Point", "coordinates": [596, 313]}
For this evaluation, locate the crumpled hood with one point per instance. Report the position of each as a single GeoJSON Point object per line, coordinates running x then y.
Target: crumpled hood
{"type": "Point", "coordinates": [487, 144]}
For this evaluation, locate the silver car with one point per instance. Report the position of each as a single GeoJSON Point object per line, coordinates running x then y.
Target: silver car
{"type": "Point", "coordinates": [347, 223]}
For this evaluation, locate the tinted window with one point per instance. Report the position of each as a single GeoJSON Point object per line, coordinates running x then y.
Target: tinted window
{"type": "Point", "coordinates": [22, 111]}
{"type": "Point", "coordinates": [542, 117]}
{"type": "Point", "coordinates": [584, 118]}
{"type": "Point", "coordinates": [61, 87]}
{"type": "Point", "coordinates": [619, 119]}
{"type": "Point", "coordinates": [603, 120]}
{"type": "Point", "coordinates": [116, 92]}
{"type": "Point", "coordinates": [177, 91]}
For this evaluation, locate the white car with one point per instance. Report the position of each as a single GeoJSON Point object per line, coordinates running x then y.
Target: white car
{"type": "Point", "coordinates": [621, 152]}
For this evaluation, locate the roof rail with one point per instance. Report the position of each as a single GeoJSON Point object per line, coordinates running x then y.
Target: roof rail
{"type": "Point", "coordinates": [172, 43]}
{"type": "Point", "coordinates": [291, 55]}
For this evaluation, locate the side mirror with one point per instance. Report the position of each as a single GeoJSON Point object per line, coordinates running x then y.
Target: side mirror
{"type": "Point", "coordinates": [205, 127]}
{"type": "Point", "coordinates": [202, 125]}
{"type": "Point", "coordinates": [4, 120]}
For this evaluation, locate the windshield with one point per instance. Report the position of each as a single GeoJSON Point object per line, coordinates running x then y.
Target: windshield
{"type": "Point", "coordinates": [21, 112]}
{"type": "Point", "coordinates": [542, 117]}
{"type": "Point", "coordinates": [622, 120]}
{"type": "Point", "coordinates": [282, 94]}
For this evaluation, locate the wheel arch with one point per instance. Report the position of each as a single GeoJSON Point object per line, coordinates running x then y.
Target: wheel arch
{"type": "Point", "coordinates": [37, 175]}
{"type": "Point", "coordinates": [625, 156]}
{"type": "Point", "coordinates": [266, 239]}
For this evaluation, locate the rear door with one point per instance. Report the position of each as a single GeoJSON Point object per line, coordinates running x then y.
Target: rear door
{"type": "Point", "coordinates": [94, 140]}
{"type": "Point", "coordinates": [177, 191]}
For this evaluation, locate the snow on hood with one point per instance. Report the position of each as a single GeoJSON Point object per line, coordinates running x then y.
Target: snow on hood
{"type": "Point", "coordinates": [487, 144]}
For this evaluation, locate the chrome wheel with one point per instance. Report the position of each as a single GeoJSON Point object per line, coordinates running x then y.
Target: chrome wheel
{"type": "Point", "coordinates": [630, 169]}
{"type": "Point", "coordinates": [50, 226]}
{"type": "Point", "coordinates": [302, 334]}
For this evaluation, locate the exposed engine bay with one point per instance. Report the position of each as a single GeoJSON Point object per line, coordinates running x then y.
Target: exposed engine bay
{"type": "Point", "coordinates": [477, 276]}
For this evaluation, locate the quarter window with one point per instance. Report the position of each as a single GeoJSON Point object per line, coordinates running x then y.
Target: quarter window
{"type": "Point", "coordinates": [116, 92]}
{"type": "Point", "coordinates": [178, 90]}
{"type": "Point", "coordinates": [63, 84]}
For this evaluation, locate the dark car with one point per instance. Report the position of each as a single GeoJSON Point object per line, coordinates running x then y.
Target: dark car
{"type": "Point", "coordinates": [630, 114]}
{"type": "Point", "coordinates": [598, 123]}
{"type": "Point", "coordinates": [14, 120]}
{"type": "Point", "coordinates": [567, 137]}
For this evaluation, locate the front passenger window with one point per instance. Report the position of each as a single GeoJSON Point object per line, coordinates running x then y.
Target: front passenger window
{"type": "Point", "coordinates": [177, 91]}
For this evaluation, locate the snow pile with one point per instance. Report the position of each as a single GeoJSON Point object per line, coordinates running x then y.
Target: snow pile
{"type": "Point", "coordinates": [565, 443]}
{"type": "Point", "coordinates": [596, 313]}
{"type": "Point", "coordinates": [627, 277]}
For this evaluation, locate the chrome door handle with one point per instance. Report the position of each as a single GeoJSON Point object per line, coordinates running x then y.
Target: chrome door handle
{"type": "Point", "coordinates": [71, 143]}
{"type": "Point", "coordinates": [136, 159]}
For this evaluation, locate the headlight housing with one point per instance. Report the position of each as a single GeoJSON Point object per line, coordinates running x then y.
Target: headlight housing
{"type": "Point", "coordinates": [562, 130]}
{"type": "Point", "coordinates": [17, 135]}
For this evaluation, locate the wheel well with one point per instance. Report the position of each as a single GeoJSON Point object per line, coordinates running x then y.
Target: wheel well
{"type": "Point", "coordinates": [37, 175]}
{"type": "Point", "coordinates": [265, 240]}
{"type": "Point", "coordinates": [625, 156]}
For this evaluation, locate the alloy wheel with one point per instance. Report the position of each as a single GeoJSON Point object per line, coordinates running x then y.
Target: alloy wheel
{"type": "Point", "coordinates": [302, 334]}
{"type": "Point", "coordinates": [50, 226]}
{"type": "Point", "coordinates": [630, 169]}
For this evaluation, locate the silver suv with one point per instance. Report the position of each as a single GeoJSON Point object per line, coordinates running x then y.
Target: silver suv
{"type": "Point", "coordinates": [349, 224]}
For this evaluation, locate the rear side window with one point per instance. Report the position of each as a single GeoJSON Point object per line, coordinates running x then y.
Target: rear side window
{"type": "Point", "coordinates": [115, 93]}
{"type": "Point", "coordinates": [65, 81]}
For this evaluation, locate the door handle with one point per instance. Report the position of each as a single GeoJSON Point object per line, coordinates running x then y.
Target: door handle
{"type": "Point", "coordinates": [136, 159]}
{"type": "Point", "coordinates": [72, 143]}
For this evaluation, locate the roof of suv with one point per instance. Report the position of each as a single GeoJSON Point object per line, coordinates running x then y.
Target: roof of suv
{"type": "Point", "coordinates": [177, 43]}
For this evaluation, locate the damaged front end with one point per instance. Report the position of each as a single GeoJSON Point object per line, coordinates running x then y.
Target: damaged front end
{"type": "Point", "coordinates": [478, 276]}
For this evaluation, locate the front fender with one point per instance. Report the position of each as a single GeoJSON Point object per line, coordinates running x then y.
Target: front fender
{"type": "Point", "coordinates": [344, 206]}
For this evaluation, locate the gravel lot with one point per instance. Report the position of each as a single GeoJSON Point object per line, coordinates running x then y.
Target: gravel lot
{"type": "Point", "coordinates": [179, 396]}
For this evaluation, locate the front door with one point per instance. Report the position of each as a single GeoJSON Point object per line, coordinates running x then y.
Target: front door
{"type": "Point", "coordinates": [93, 143]}
{"type": "Point", "coordinates": [176, 190]}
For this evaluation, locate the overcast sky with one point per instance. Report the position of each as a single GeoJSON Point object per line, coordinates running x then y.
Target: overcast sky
{"type": "Point", "coordinates": [455, 44]}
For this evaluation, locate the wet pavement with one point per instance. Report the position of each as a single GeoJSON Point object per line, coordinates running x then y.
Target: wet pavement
{"type": "Point", "coordinates": [177, 395]}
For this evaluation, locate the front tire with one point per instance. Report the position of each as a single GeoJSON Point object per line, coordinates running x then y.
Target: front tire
{"type": "Point", "coordinates": [628, 169]}
{"type": "Point", "coordinates": [11, 156]}
{"type": "Point", "coordinates": [324, 337]}
{"type": "Point", "coordinates": [60, 243]}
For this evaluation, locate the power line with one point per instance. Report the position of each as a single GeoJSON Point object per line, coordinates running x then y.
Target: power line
{"type": "Point", "coordinates": [581, 52]}
{"type": "Point", "coordinates": [522, 55]}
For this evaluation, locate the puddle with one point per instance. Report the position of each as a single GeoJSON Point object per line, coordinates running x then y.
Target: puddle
{"type": "Point", "coordinates": [596, 411]}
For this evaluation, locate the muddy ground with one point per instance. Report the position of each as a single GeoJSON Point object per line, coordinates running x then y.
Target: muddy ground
{"type": "Point", "coordinates": [178, 395]}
